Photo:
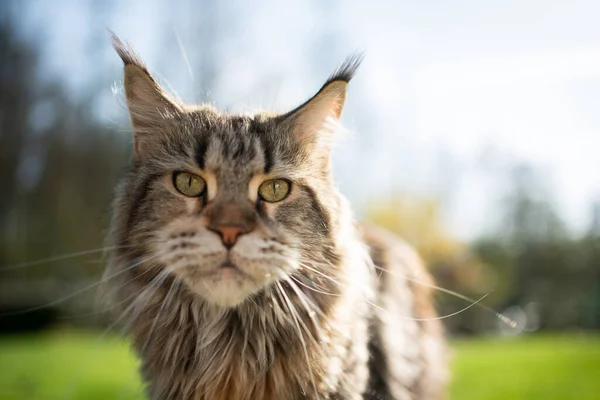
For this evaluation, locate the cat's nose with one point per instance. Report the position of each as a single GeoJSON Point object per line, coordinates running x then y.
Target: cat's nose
{"type": "Point", "coordinates": [229, 233]}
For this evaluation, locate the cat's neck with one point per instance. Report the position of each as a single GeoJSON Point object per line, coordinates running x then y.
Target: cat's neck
{"type": "Point", "coordinates": [253, 351]}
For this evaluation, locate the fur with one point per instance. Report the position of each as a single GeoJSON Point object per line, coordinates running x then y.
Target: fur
{"type": "Point", "coordinates": [315, 307]}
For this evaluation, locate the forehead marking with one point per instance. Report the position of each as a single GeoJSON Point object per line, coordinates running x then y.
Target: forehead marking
{"type": "Point", "coordinates": [200, 150]}
{"type": "Point", "coordinates": [258, 130]}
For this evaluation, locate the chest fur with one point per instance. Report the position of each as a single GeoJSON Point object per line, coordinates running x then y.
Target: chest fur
{"type": "Point", "coordinates": [228, 361]}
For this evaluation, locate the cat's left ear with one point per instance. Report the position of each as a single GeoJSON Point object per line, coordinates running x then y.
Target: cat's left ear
{"type": "Point", "coordinates": [314, 122]}
{"type": "Point", "coordinates": [150, 106]}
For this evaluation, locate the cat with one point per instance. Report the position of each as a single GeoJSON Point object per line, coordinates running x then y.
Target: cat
{"type": "Point", "coordinates": [239, 268]}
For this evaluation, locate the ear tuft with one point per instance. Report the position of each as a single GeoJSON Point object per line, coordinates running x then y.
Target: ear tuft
{"type": "Point", "coordinates": [347, 70]}
{"type": "Point", "coordinates": [314, 122]}
{"type": "Point", "coordinates": [150, 107]}
{"type": "Point", "coordinates": [125, 51]}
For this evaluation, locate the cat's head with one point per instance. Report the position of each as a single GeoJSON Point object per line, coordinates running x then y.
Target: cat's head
{"type": "Point", "coordinates": [228, 203]}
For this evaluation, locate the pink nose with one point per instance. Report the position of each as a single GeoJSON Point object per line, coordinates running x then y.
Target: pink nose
{"type": "Point", "coordinates": [229, 233]}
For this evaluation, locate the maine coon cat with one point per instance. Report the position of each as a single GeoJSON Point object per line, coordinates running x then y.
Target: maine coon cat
{"type": "Point", "coordinates": [241, 273]}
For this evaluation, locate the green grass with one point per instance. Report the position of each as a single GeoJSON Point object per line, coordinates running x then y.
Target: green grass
{"type": "Point", "coordinates": [67, 366]}
{"type": "Point", "coordinates": [74, 366]}
{"type": "Point", "coordinates": [533, 367]}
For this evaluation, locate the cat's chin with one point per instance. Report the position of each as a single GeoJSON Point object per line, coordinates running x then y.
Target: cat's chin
{"type": "Point", "coordinates": [226, 288]}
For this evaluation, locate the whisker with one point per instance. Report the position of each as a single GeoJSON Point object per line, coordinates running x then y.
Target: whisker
{"type": "Point", "coordinates": [113, 304]}
{"type": "Point", "coordinates": [511, 323]}
{"type": "Point", "coordinates": [276, 94]}
{"type": "Point", "coordinates": [296, 279]}
{"type": "Point", "coordinates": [501, 317]}
{"type": "Point", "coordinates": [300, 321]}
{"type": "Point", "coordinates": [316, 271]}
{"type": "Point", "coordinates": [167, 300]}
{"type": "Point", "coordinates": [430, 318]}
{"type": "Point", "coordinates": [62, 257]}
{"type": "Point", "coordinates": [184, 54]}
{"type": "Point", "coordinates": [154, 284]}
{"type": "Point", "coordinates": [304, 301]}
{"type": "Point", "coordinates": [315, 307]}
{"type": "Point", "coordinates": [76, 293]}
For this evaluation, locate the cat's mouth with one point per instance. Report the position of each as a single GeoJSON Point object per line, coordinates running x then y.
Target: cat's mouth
{"type": "Point", "coordinates": [220, 275]}
{"type": "Point", "coordinates": [228, 264]}
{"type": "Point", "coordinates": [229, 270]}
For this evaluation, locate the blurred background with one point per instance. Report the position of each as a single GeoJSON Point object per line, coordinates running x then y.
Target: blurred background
{"type": "Point", "coordinates": [473, 131]}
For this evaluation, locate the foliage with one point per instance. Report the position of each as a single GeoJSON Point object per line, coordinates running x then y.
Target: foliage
{"type": "Point", "coordinates": [538, 262]}
{"type": "Point", "coordinates": [58, 167]}
{"type": "Point", "coordinates": [529, 262]}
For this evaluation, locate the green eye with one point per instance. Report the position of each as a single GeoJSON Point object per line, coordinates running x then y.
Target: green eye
{"type": "Point", "coordinates": [189, 185]}
{"type": "Point", "coordinates": [274, 190]}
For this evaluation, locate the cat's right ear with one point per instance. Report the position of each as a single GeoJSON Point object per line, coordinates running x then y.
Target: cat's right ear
{"type": "Point", "coordinates": [148, 103]}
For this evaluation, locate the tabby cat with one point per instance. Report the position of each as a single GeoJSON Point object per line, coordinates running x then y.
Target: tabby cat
{"type": "Point", "coordinates": [241, 271]}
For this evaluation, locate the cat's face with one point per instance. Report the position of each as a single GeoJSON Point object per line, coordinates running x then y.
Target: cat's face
{"type": "Point", "coordinates": [229, 203]}
{"type": "Point", "coordinates": [225, 207]}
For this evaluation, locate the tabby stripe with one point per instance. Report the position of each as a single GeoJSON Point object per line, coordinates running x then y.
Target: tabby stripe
{"type": "Point", "coordinates": [258, 130]}
{"type": "Point", "coordinates": [240, 149]}
{"type": "Point", "coordinates": [377, 387]}
{"type": "Point", "coordinates": [200, 152]}
{"type": "Point", "coordinates": [316, 205]}
{"type": "Point", "coordinates": [142, 193]}
{"type": "Point", "coordinates": [267, 153]}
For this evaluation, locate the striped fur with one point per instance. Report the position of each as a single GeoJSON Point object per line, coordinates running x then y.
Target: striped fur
{"type": "Point", "coordinates": [320, 307]}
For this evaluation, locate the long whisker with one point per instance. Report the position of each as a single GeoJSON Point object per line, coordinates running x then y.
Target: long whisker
{"type": "Point", "coordinates": [316, 271]}
{"type": "Point", "coordinates": [472, 302]}
{"type": "Point", "coordinates": [315, 307]}
{"type": "Point", "coordinates": [184, 54]}
{"type": "Point", "coordinates": [297, 279]}
{"type": "Point", "coordinates": [301, 321]}
{"type": "Point", "coordinates": [167, 300]}
{"type": "Point", "coordinates": [62, 257]}
{"type": "Point", "coordinates": [430, 318]}
{"type": "Point", "coordinates": [113, 304]}
{"type": "Point", "coordinates": [304, 301]}
{"type": "Point", "coordinates": [154, 285]}
{"type": "Point", "coordinates": [501, 317]}
{"type": "Point", "coordinates": [77, 292]}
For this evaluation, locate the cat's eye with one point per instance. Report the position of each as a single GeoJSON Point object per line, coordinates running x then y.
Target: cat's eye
{"type": "Point", "coordinates": [188, 184]}
{"type": "Point", "coordinates": [274, 190]}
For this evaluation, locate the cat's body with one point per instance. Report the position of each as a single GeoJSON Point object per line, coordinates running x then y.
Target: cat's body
{"type": "Point", "coordinates": [242, 272]}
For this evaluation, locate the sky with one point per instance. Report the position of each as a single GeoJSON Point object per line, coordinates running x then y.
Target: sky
{"type": "Point", "coordinates": [449, 94]}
